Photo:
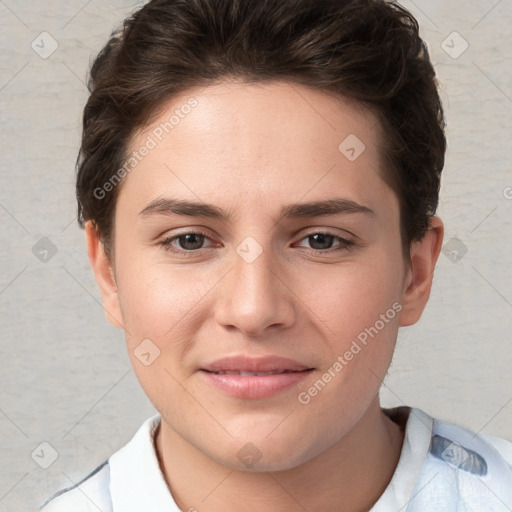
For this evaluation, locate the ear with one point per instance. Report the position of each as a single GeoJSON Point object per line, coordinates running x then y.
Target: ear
{"type": "Point", "coordinates": [104, 275]}
{"type": "Point", "coordinates": [424, 255]}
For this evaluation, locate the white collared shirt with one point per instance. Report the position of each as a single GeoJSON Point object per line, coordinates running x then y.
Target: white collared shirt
{"type": "Point", "coordinates": [442, 468]}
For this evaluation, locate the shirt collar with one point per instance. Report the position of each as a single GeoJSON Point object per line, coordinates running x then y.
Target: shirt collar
{"type": "Point", "coordinates": [418, 433]}
{"type": "Point", "coordinates": [136, 480]}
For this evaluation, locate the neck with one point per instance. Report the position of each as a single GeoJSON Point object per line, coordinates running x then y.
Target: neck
{"type": "Point", "coordinates": [348, 477]}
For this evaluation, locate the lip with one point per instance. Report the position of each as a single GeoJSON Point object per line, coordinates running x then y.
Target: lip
{"type": "Point", "coordinates": [255, 364]}
{"type": "Point", "coordinates": [255, 386]}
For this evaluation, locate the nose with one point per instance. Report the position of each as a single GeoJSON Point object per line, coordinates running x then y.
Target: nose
{"type": "Point", "coordinates": [256, 295]}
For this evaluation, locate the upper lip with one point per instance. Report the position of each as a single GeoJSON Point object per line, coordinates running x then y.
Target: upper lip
{"type": "Point", "coordinates": [255, 364]}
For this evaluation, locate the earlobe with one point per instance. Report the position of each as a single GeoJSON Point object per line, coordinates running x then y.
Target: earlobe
{"type": "Point", "coordinates": [424, 255]}
{"type": "Point", "coordinates": [104, 274]}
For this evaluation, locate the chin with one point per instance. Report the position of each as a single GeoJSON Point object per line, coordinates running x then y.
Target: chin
{"type": "Point", "coordinates": [258, 453]}
{"type": "Point", "coordinates": [260, 461]}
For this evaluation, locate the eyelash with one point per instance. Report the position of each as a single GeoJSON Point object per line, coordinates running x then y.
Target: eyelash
{"type": "Point", "coordinates": [343, 246]}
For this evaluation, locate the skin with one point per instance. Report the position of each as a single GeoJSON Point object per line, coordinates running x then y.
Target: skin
{"type": "Point", "coordinates": [250, 149]}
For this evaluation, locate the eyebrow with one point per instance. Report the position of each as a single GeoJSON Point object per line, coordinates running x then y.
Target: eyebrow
{"type": "Point", "coordinates": [335, 206]}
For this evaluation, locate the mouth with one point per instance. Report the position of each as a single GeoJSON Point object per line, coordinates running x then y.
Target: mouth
{"type": "Point", "coordinates": [244, 365]}
{"type": "Point", "coordinates": [255, 383]}
{"type": "Point", "coordinates": [250, 374]}
{"type": "Point", "coordinates": [252, 378]}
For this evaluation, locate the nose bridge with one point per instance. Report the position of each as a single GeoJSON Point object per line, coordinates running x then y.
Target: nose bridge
{"type": "Point", "coordinates": [254, 266]}
{"type": "Point", "coordinates": [253, 296]}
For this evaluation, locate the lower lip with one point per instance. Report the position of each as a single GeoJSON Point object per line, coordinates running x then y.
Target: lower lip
{"type": "Point", "coordinates": [254, 386]}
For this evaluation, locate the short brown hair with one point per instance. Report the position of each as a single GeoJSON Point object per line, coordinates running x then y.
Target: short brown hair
{"type": "Point", "coordinates": [366, 50]}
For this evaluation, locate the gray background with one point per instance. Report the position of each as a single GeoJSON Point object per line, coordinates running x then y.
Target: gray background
{"type": "Point", "coordinates": [66, 378]}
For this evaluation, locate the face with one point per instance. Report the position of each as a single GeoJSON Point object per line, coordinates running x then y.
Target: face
{"type": "Point", "coordinates": [251, 280]}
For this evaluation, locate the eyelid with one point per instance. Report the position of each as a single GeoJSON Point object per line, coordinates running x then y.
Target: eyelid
{"type": "Point", "coordinates": [345, 243]}
{"type": "Point", "coordinates": [328, 231]}
{"type": "Point", "coordinates": [189, 231]}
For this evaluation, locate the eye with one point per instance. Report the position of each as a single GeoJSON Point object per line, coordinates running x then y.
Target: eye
{"type": "Point", "coordinates": [189, 242]}
{"type": "Point", "coordinates": [192, 241]}
{"type": "Point", "coordinates": [323, 239]}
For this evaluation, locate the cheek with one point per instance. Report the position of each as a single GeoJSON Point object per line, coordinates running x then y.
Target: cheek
{"type": "Point", "coordinates": [160, 313]}
{"type": "Point", "coordinates": [158, 300]}
{"type": "Point", "coordinates": [172, 305]}
{"type": "Point", "coordinates": [348, 298]}
{"type": "Point", "coordinates": [361, 308]}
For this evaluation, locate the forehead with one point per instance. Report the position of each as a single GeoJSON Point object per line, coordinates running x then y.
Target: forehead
{"type": "Point", "coordinates": [267, 114]}
{"type": "Point", "coordinates": [240, 140]}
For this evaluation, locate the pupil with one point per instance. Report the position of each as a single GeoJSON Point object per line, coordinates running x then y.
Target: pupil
{"type": "Point", "coordinates": [190, 237]}
{"type": "Point", "coordinates": [322, 238]}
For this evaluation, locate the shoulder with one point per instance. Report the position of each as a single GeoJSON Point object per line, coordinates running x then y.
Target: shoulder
{"type": "Point", "coordinates": [465, 469]}
{"type": "Point", "coordinates": [90, 494]}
